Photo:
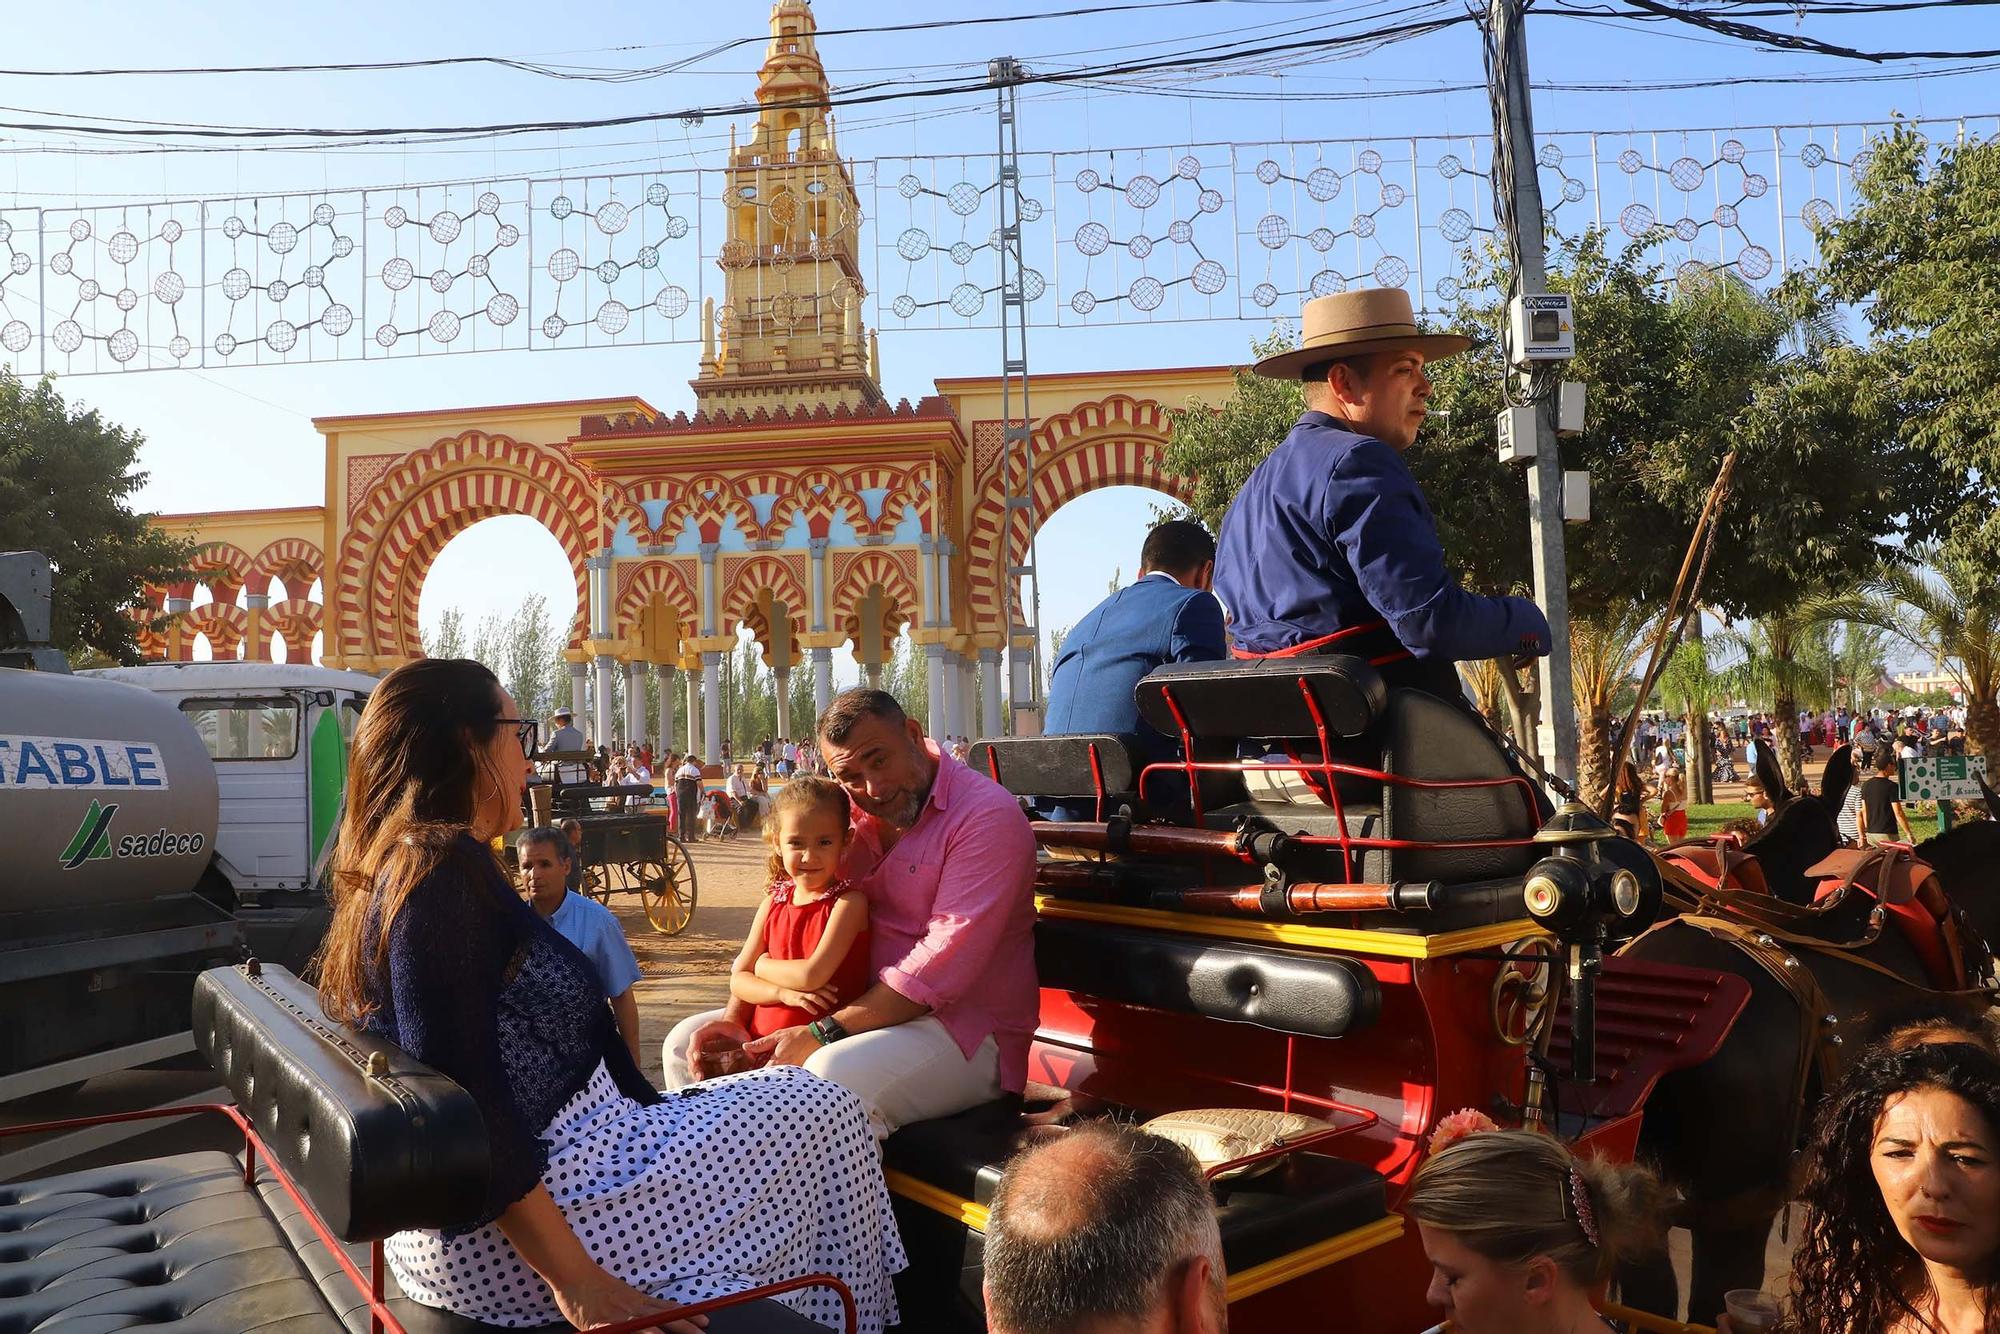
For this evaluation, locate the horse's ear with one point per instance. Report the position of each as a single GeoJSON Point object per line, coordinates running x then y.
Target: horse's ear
{"type": "Point", "coordinates": [1838, 777]}
{"type": "Point", "coordinates": [1992, 797]}
{"type": "Point", "coordinates": [1770, 774]}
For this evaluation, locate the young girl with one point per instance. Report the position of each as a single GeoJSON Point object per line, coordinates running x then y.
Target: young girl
{"type": "Point", "coordinates": [807, 951]}
{"type": "Point", "coordinates": [1674, 806]}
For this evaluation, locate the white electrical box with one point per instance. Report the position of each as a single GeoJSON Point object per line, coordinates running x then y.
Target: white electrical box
{"type": "Point", "coordinates": [1576, 497]}
{"type": "Point", "coordinates": [1517, 435]}
{"type": "Point", "coordinates": [1569, 409]}
{"type": "Point", "coordinates": [1543, 328]}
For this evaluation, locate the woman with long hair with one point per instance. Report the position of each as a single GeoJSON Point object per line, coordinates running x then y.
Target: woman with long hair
{"type": "Point", "coordinates": [1902, 1197]}
{"type": "Point", "coordinates": [1519, 1231]}
{"type": "Point", "coordinates": [605, 1202]}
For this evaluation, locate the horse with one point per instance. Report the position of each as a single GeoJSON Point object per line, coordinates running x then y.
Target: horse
{"type": "Point", "coordinates": [1725, 1131]}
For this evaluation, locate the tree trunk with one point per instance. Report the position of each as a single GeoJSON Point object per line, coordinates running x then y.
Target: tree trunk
{"type": "Point", "coordinates": [1982, 723]}
{"type": "Point", "coordinates": [1595, 769]}
{"type": "Point", "coordinates": [1700, 791]}
{"type": "Point", "coordinates": [1785, 727]}
{"type": "Point", "coordinates": [1701, 773]}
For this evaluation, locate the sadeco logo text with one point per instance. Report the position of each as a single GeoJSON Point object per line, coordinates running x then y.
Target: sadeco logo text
{"type": "Point", "coordinates": [93, 841]}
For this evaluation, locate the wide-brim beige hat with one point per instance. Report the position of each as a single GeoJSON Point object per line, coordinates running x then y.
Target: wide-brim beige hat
{"type": "Point", "coordinates": [1352, 324]}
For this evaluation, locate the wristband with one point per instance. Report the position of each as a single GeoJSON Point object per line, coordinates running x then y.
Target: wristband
{"type": "Point", "coordinates": [828, 1030]}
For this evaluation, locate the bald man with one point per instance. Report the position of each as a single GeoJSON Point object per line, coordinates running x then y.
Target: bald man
{"type": "Point", "coordinates": [1104, 1230]}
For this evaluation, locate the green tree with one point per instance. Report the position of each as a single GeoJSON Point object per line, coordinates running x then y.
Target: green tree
{"type": "Point", "coordinates": [447, 638]}
{"type": "Point", "coordinates": [1607, 648]}
{"type": "Point", "coordinates": [1860, 663]}
{"type": "Point", "coordinates": [907, 676]}
{"type": "Point", "coordinates": [804, 716]}
{"type": "Point", "coordinates": [1916, 254]}
{"type": "Point", "coordinates": [1220, 444]}
{"type": "Point", "coordinates": [1691, 686]}
{"type": "Point", "coordinates": [66, 480]}
{"type": "Point", "coordinates": [528, 647]}
{"type": "Point", "coordinates": [1785, 665]}
{"type": "Point", "coordinates": [1949, 606]}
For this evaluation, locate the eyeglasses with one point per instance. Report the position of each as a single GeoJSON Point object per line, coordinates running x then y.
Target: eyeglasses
{"type": "Point", "coordinates": [526, 730]}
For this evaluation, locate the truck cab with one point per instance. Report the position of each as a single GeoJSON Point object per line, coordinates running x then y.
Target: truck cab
{"type": "Point", "coordinates": [278, 734]}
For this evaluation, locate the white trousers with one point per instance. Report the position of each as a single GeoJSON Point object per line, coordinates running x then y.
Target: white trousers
{"type": "Point", "coordinates": [911, 1072]}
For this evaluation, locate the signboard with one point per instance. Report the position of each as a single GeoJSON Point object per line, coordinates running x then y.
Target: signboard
{"type": "Point", "coordinates": [1943, 778]}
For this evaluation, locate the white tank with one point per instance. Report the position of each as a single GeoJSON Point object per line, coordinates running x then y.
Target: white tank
{"type": "Point", "coordinates": [107, 795]}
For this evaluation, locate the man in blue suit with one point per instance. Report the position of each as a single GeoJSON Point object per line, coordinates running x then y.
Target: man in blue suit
{"type": "Point", "coordinates": [1166, 615]}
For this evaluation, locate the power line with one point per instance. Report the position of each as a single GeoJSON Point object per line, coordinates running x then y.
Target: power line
{"type": "Point", "coordinates": [867, 95]}
{"type": "Point", "coordinates": [1790, 41]}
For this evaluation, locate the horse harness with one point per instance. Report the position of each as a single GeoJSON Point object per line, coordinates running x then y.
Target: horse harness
{"type": "Point", "coordinates": [1772, 932]}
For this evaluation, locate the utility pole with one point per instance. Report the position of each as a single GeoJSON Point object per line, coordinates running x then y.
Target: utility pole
{"type": "Point", "coordinates": [1021, 586]}
{"type": "Point", "coordinates": [1518, 201]}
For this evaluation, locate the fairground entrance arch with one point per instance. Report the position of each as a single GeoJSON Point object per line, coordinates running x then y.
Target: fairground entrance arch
{"type": "Point", "coordinates": [796, 501]}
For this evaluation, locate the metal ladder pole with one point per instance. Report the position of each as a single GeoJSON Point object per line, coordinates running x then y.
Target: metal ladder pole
{"type": "Point", "coordinates": [1022, 596]}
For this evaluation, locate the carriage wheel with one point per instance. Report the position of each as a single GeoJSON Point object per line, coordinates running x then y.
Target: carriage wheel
{"type": "Point", "coordinates": [1524, 989]}
{"type": "Point", "coordinates": [597, 883]}
{"type": "Point", "coordinates": [680, 864]}
{"type": "Point", "coordinates": [669, 899]}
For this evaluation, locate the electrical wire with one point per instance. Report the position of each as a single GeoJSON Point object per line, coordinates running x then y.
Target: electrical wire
{"type": "Point", "coordinates": [866, 95]}
{"type": "Point", "coordinates": [1789, 41]}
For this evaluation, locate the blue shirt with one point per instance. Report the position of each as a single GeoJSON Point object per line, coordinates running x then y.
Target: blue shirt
{"type": "Point", "coordinates": [1097, 671]}
{"type": "Point", "coordinates": [590, 926]}
{"type": "Point", "coordinates": [1332, 532]}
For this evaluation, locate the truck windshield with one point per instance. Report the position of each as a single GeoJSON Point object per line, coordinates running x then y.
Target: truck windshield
{"type": "Point", "coordinates": [246, 729]}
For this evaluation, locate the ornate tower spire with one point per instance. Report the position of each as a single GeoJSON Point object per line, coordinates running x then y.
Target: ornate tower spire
{"type": "Point", "coordinates": [789, 331]}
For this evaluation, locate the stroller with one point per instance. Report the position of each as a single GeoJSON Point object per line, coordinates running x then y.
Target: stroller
{"type": "Point", "coordinates": [1724, 767]}
{"type": "Point", "coordinates": [722, 813]}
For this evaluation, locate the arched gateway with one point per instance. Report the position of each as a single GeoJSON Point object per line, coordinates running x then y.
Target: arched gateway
{"type": "Point", "coordinates": [796, 500]}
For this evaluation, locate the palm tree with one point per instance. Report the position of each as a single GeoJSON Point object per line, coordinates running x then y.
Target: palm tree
{"type": "Point", "coordinates": [1949, 606]}
{"type": "Point", "coordinates": [1861, 661]}
{"type": "Point", "coordinates": [1483, 679]}
{"type": "Point", "coordinates": [1690, 686]}
{"type": "Point", "coordinates": [1784, 664]}
{"type": "Point", "coordinates": [1605, 649]}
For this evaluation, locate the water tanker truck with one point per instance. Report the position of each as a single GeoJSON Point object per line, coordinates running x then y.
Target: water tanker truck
{"type": "Point", "coordinates": [155, 821]}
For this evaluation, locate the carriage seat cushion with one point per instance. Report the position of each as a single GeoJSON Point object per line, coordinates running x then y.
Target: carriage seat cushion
{"type": "Point", "coordinates": [377, 1153]}
{"type": "Point", "coordinates": [1290, 991]}
{"type": "Point", "coordinates": [1262, 697]}
{"type": "Point", "coordinates": [1314, 1198]}
{"type": "Point", "coordinates": [177, 1243]}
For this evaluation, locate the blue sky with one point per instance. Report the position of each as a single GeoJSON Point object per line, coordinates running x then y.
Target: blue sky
{"type": "Point", "coordinates": [242, 437]}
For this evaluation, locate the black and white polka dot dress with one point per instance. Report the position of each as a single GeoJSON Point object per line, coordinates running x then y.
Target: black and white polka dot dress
{"type": "Point", "coordinates": [729, 1184]}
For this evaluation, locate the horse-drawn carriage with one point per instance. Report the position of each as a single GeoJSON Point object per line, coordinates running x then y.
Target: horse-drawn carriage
{"type": "Point", "coordinates": [1369, 924]}
{"type": "Point", "coordinates": [628, 844]}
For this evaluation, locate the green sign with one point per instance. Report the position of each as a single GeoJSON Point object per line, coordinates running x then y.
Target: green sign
{"type": "Point", "coordinates": [1943, 778]}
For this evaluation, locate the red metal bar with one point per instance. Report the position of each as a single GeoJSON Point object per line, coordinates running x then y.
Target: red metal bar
{"type": "Point", "coordinates": [1166, 840]}
{"type": "Point", "coordinates": [1097, 780]}
{"type": "Point", "coordinates": [375, 1289]}
{"type": "Point", "coordinates": [850, 1320]}
{"type": "Point", "coordinates": [993, 766]}
{"type": "Point", "coordinates": [1188, 766]}
{"type": "Point", "coordinates": [1332, 789]}
{"type": "Point", "coordinates": [1291, 1061]}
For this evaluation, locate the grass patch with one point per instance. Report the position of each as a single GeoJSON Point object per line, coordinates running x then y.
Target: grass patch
{"type": "Point", "coordinates": [1706, 820]}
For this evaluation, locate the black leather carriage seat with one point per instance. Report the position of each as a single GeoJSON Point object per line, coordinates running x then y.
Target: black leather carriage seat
{"type": "Point", "coordinates": [1056, 770]}
{"type": "Point", "coordinates": [377, 1141]}
{"type": "Point", "coordinates": [1397, 731]}
{"type": "Point", "coordinates": [958, 1160]}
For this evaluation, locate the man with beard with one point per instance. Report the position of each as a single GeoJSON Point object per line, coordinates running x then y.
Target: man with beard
{"type": "Point", "coordinates": [948, 863]}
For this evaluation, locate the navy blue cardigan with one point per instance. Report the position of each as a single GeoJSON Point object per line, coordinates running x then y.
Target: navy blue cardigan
{"type": "Point", "coordinates": [480, 988]}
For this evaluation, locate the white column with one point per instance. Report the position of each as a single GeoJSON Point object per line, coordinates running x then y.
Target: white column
{"type": "Point", "coordinates": [927, 565]}
{"type": "Point", "coordinates": [822, 680]}
{"type": "Point", "coordinates": [665, 673]}
{"type": "Point", "coordinates": [606, 692]}
{"type": "Point", "coordinates": [968, 697]}
{"type": "Point", "coordinates": [635, 702]}
{"type": "Point", "coordinates": [697, 744]}
{"type": "Point", "coordinates": [872, 673]}
{"type": "Point", "coordinates": [953, 681]}
{"type": "Point", "coordinates": [782, 678]}
{"type": "Point", "coordinates": [711, 706]}
{"type": "Point", "coordinates": [818, 547]}
{"type": "Point", "coordinates": [709, 593]}
{"type": "Point", "coordinates": [579, 689]}
{"type": "Point", "coordinates": [989, 692]}
{"type": "Point", "coordinates": [934, 674]}
{"type": "Point", "coordinates": [944, 554]}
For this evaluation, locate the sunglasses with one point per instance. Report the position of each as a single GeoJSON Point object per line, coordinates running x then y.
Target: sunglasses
{"type": "Point", "coordinates": [525, 730]}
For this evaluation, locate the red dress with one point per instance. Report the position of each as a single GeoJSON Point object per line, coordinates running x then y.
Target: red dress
{"type": "Point", "coordinates": [792, 931]}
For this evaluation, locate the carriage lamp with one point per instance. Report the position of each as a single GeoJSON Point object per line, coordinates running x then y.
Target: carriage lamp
{"type": "Point", "coordinates": [1625, 893]}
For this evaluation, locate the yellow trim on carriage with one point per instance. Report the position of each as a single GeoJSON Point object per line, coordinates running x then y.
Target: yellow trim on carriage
{"type": "Point", "coordinates": [1389, 944]}
{"type": "Point", "coordinates": [969, 1212]}
{"type": "Point", "coordinates": [1316, 1256]}
{"type": "Point", "coordinates": [1251, 1281]}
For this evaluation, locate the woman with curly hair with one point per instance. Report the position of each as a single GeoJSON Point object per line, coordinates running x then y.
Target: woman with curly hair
{"type": "Point", "coordinates": [1911, 1245]}
{"type": "Point", "coordinates": [1519, 1231]}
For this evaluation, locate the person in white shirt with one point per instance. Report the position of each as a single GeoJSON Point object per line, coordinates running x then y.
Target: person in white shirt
{"type": "Point", "coordinates": [687, 796]}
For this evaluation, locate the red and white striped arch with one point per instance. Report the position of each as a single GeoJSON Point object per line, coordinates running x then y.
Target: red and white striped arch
{"type": "Point", "coordinates": [427, 499]}
{"type": "Point", "coordinates": [1117, 441]}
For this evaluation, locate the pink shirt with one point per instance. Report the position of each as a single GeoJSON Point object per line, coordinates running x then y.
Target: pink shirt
{"type": "Point", "coordinates": [951, 910]}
